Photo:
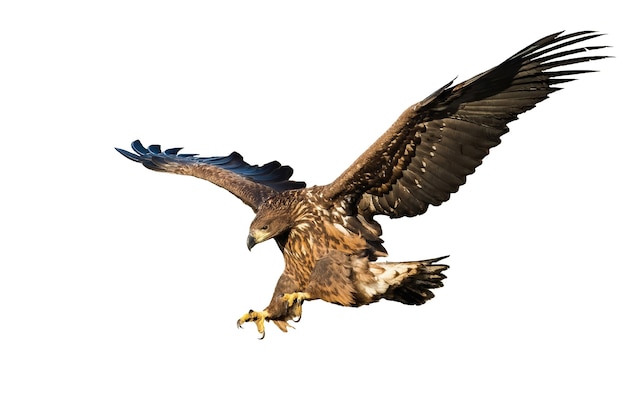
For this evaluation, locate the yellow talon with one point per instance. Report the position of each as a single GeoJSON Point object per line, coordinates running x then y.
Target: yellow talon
{"type": "Point", "coordinates": [257, 317]}
{"type": "Point", "coordinates": [295, 300]}
{"type": "Point", "coordinates": [296, 297]}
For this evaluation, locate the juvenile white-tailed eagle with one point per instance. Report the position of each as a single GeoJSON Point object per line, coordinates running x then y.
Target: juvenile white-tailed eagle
{"type": "Point", "coordinates": [328, 235]}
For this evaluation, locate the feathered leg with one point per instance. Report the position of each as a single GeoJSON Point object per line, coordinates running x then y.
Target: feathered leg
{"type": "Point", "coordinates": [282, 307]}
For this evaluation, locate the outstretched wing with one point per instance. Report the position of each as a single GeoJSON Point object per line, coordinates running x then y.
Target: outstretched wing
{"type": "Point", "coordinates": [251, 183]}
{"type": "Point", "coordinates": [435, 144]}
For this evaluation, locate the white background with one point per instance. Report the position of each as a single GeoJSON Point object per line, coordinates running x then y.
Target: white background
{"type": "Point", "coordinates": [120, 287]}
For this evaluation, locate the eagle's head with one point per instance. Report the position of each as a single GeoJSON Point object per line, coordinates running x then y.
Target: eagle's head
{"type": "Point", "coordinates": [272, 219]}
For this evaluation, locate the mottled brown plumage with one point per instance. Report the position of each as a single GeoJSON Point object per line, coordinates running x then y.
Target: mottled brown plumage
{"type": "Point", "coordinates": [328, 235]}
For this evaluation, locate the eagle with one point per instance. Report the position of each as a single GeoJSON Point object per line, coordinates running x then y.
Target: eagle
{"type": "Point", "coordinates": [328, 234]}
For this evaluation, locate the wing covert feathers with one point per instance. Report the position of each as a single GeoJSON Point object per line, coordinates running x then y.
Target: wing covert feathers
{"type": "Point", "coordinates": [427, 154]}
{"type": "Point", "coordinates": [251, 183]}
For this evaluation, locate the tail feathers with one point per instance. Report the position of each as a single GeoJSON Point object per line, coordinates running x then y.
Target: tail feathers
{"type": "Point", "coordinates": [411, 282]}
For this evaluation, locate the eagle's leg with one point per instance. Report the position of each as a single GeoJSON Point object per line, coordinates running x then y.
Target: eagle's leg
{"type": "Point", "coordinates": [281, 309]}
{"type": "Point", "coordinates": [257, 317]}
{"type": "Point", "coordinates": [294, 300]}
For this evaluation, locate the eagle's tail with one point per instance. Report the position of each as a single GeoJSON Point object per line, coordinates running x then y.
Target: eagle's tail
{"type": "Point", "coordinates": [409, 282]}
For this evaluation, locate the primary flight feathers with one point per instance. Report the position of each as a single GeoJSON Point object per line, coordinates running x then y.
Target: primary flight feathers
{"type": "Point", "coordinates": [251, 183]}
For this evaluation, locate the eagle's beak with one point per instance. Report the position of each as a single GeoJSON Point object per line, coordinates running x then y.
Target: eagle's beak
{"type": "Point", "coordinates": [251, 241]}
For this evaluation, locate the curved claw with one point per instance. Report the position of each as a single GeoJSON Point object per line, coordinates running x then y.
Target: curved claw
{"type": "Point", "coordinates": [296, 298]}
{"type": "Point", "coordinates": [297, 309]}
{"type": "Point", "coordinates": [257, 317]}
{"type": "Point", "coordinates": [294, 301]}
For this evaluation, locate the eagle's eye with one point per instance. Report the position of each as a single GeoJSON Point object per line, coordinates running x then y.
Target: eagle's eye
{"type": "Point", "coordinates": [265, 227]}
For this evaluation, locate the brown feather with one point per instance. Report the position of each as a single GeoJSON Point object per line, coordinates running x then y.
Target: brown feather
{"type": "Point", "coordinates": [252, 184]}
{"type": "Point", "coordinates": [435, 144]}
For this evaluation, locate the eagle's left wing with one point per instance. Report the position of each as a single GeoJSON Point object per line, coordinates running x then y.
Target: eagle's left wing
{"type": "Point", "coordinates": [253, 184]}
{"type": "Point", "coordinates": [430, 150]}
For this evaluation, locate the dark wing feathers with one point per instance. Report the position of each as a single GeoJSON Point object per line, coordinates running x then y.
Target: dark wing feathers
{"type": "Point", "coordinates": [430, 150]}
{"type": "Point", "coordinates": [251, 183]}
{"type": "Point", "coordinates": [426, 155]}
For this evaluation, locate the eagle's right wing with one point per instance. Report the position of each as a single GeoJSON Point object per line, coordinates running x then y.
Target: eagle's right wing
{"type": "Point", "coordinates": [430, 150]}
{"type": "Point", "coordinates": [253, 184]}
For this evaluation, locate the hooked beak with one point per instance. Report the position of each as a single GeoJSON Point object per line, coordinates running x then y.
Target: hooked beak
{"type": "Point", "coordinates": [251, 242]}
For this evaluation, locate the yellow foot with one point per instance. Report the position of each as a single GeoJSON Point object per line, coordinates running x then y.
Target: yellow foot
{"type": "Point", "coordinates": [295, 300]}
{"type": "Point", "coordinates": [257, 317]}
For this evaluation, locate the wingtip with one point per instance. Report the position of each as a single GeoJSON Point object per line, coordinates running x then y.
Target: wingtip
{"type": "Point", "coordinates": [128, 155]}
